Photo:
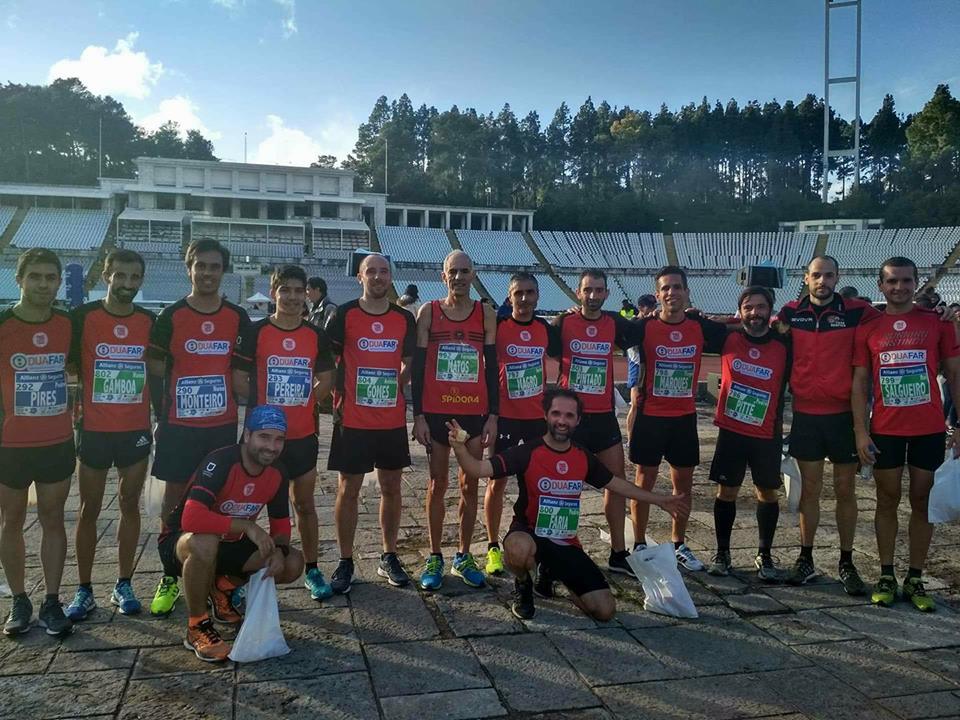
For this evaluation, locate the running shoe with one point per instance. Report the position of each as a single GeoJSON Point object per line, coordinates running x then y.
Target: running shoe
{"type": "Point", "coordinates": [852, 582]}
{"type": "Point", "coordinates": [465, 567]}
{"type": "Point", "coordinates": [495, 561]}
{"type": "Point", "coordinates": [767, 571]}
{"type": "Point", "coordinates": [221, 608]}
{"type": "Point", "coordinates": [544, 584]}
{"type": "Point", "coordinates": [317, 585]}
{"type": "Point", "coordinates": [803, 570]}
{"type": "Point", "coordinates": [238, 599]}
{"type": "Point", "coordinates": [720, 565]}
{"type": "Point", "coordinates": [50, 616]}
{"type": "Point", "coordinates": [687, 559]}
{"type": "Point", "coordinates": [522, 606]}
{"type": "Point", "coordinates": [617, 562]}
{"type": "Point", "coordinates": [391, 569]}
{"type": "Point", "coordinates": [83, 604]}
{"type": "Point", "coordinates": [123, 597]}
{"type": "Point", "coordinates": [342, 579]}
{"type": "Point", "coordinates": [885, 591]}
{"type": "Point", "coordinates": [165, 599]}
{"type": "Point", "coordinates": [206, 642]}
{"type": "Point", "coordinates": [21, 616]}
{"type": "Point", "coordinates": [916, 593]}
{"type": "Point", "coordinates": [432, 576]}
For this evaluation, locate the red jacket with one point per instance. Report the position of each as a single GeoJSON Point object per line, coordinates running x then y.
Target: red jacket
{"type": "Point", "coordinates": [822, 373]}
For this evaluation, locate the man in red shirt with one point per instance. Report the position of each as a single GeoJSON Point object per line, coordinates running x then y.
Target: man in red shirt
{"type": "Point", "coordinates": [375, 341]}
{"type": "Point", "coordinates": [822, 326]}
{"type": "Point", "coordinates": [285, 361]}
{"type": "Point", "coordinates": [454, 376]}
{"type": "Point", "coordinates": [212, 534]}
{"type": "Point", "coordinates": [551, 471]}
{"type": "Point", "coordinates": [110, 339]}
{"type": "Point", "coordinates": [897, 356]}
{"type": "Point", "coordinates": [755, 364]}
{"type": "Point", "coordinates": [36, 436]}
{"type": "Point", "coordinates": [190, 355]}
{"type": "Point", "coordinates": [671, 348]}
{"type": "Point", "coordinates": [524, 341]}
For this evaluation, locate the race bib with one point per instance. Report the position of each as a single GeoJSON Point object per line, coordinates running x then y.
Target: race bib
{"type": "Point", "coordinates": [377, 387]}
{"type": "Point", "coordinates": [524, 379]}
{"type": "Point", "coordinates": [289, 386]}
{"type": "Point", "coordinates": [457, 362]}
{"type": "Point", "coordinates": [588, 375]}
{"type": "Point", "coordinates": [118, 382]}
{"type": "Point", "coordinates": [904, 385]}
{"type": "Point", "coordinates": [673, 379]}
{"type": "Point", "coordinates": [557, 519]}
{"type": "Point", "coordinates": [746, 404]}
{"type": "Point", "coordinates": [201, 396]}
{"type": "Point", "coordinates": [40, 393]}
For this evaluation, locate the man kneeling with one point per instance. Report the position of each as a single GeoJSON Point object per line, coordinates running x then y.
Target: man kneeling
{"type": "Point", "coordinates": [551, 472]}
{"type": "Point", "coordinates": [212, 540]}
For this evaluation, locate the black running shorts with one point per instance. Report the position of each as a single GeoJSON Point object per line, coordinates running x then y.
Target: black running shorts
{"type": "Point", "coordinates": [568, 564]}
{"type": "Point", "coordinates": [437, 424]}
{"type": "Point", "coordinates": [231, 556]}
{"type": "Point", "coordinates": [511, 433]}
{"type": "Point", "coordinates": [300, 456]}
{"type": "Point", "coordinates": [103, 450]}
{"type": "Point", "coordinates": [673, 439]}
{"type": "Point", "coordinates": [598, 431]}
{"type": "Point", "coordinates": [357, 452]}
{"type": "Point", "coordinates": [47, 465]}
{"type": "Point", "coordinates": [925, 452]}
{"type": "Point", "coordinates": [736, 452]}
{"type": "Point", "coordinates": [180, 449]}
{"type": "Point", "coordinates": [816, 437]}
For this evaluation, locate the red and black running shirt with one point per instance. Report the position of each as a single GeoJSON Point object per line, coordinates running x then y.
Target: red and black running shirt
{"type": "Point", "coordinates": [454, 382]}
{"type": "Point", "coordinates": [753, 376]}
{"type": "Point", "coordinates": [221, 489]}
{"type": "Point", "coordinates": [522, 350]}
{"type": "Point", "coordinates": [282, 364]}
{"type": "Point", "coordinates": [822, 337]}
{"type": "Point", "coordinates": [586, 359]}
{"type": "Point", "coordinates": [903, 354]}
{"type": "Point", "coordinates": [110, 353]}
{"type": "Point", "coordinates": [198, 348]}
{"type": "Point", "coordinates": [548, 504]}
{"type": "Point", "coordinates": [371, 349]}
{"type": "Point", "coordinates": [671, 353]}
{"type": "Point", "coordinates": [33, 380]}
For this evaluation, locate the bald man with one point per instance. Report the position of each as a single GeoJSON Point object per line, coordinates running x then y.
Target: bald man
{"type": "Point", "coordinates": [454, 378]}
{"type": "Point", "coordinates": [374, 341]}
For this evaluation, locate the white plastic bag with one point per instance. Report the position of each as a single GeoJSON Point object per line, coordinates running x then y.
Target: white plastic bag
{"type": "Point", "coordinates": [656, 568]}
{"type": "Point", "coordinates": [152, 497]}
{"type": "Point", "coordinates": [260, 636]}
{"type": "Point", "coordinates": [944, 503]}
{"type": "Point", "coordinates": [792, 482]}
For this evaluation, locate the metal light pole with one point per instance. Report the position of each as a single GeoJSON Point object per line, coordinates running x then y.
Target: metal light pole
{"type": "Point", "coordinates": [827, 82]}
{"type": "Point", "coordinates": [386, 155]}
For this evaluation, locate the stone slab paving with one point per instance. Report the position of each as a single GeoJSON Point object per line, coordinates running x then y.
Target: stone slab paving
{"type": "Point", "coordinates": [755, 650]}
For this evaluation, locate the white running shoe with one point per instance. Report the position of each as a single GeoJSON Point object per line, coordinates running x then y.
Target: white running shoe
{"type": "Point", "coordinates": [687, 559]}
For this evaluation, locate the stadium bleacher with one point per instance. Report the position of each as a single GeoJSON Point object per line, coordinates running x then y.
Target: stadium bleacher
{"type": "Point", "coordinates": [497, 248]}
{"type": "Point", "coordinates": [6, 215]}
{"type": "Point", "coordinates": [62, 229]}
{"type": "Point", "coordinates": [714, 293]}
{"type": "Point", "coordinates": [729, 251]}
{"type": "Point", "coordinates": [418, 245]}
{"type": "Point", "coordinates": [552, 297]}
{"type": "Point", "coordinates": [869, 248]}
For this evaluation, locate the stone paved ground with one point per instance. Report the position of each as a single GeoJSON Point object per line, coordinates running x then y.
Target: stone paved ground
{"type": "Point", "coordinates": [755, 651]}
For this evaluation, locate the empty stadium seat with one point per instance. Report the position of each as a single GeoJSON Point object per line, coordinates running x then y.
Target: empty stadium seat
{"type": "Point", "coordinates": [552, 297]}
{"type": "Point", "coordinates": [729, 251]}
{"type": "Point", "coordinates": [61, 229]}
{"type": "Point", "coordinates": [407, 244]}
{"type": "Point", "coordinates": [497, 248]}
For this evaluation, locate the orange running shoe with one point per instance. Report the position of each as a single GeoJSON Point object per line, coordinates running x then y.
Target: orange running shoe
{"type": "Point", "coordinates": [221, 608]}
{"type": "Point", "coordinates": [206, 642]}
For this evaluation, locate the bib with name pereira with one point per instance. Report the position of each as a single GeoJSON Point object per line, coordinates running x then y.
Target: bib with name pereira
{"type": "Point", "coordinates": [454, 383]}
{"type": "Point", "coordinates": [903, 354]}
{"type": "Point", "coordinates": [33, 380]}
{"type": "Point", "coordinates": [198, 348]}
{"type": "Point", "coordinates": [550, 483]}
{"type": "Point", "coordinates": [753, 374]}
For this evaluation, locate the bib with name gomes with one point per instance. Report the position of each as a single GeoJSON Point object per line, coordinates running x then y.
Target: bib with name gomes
{"type": "Point", "coordinates": [521, 351]}
{"type": "Point", "coordinates": [33, 380]}
{"type": "Point", "coordinates": [752, 378]}
{"type": "Point", "coordinates": [454, 382]}
{"type": "Point", "coordinates": [586, 363]}
{"type": "Point", "coordinates": [903, 353]}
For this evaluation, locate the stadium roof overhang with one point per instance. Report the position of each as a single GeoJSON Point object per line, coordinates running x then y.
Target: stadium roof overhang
{"type": "Point", "coordinates": [330, 224]}
{"type": "Point", "coordinates": [246, 221]}
{"type": "Point", "coordinates": [280, 197]}
{"type": "Point", "coordinates": [69, 191]}
{"type": "Point", "coordinates": [176, 216]}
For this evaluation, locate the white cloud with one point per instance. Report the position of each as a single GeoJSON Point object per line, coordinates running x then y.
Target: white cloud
{"type": "Point", "coordinates": [183, 111]}
{"type": "Point", "coordinates": [12, 21]}
{"type": "Point", "coordinates": [228, 4]}
{"type": "Point", "coordinates": [286, 145]}
{"type": "Point", "coordinates": [288, 24]}
{"type": "Point", "coordinates": [122, 72]}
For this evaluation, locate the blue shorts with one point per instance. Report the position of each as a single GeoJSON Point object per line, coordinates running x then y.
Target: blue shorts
{"type": "Point", "coordinates": [633, 374]}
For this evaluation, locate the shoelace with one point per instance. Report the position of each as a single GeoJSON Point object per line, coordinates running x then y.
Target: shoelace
{"type": "Point", "coordinates": [468, 563]}
{"type": "Point", "coordinates": [125, 591]}
{"type": "Point", "coordinates": [393, 563]}
{"type": "Point", "coordinates": [167, 586]}
{"type": "Point", "coordinates": [343, 571]}
{"type": "Point", "coordinates": [20, 605]}
{"type": "Point", "coordinates": [209, 632]}
{"type": "Point", "coordinates": [433, 565]}
{"type": "Point", "coordinates": [918, 589]}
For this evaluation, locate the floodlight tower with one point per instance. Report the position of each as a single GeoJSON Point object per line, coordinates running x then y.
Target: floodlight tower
{"type": "Point", "coordinates": [828, 80]}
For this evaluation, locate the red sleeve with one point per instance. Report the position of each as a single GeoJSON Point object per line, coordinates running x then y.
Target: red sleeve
{"type": "Point", "coordinates": [198, 518]}
{"type": "Point", "coordinates": [870, 312]}
{"type": "Point", "coordinates": [948, 341]}
{"type": "Point", "coordinates": [861, 352]}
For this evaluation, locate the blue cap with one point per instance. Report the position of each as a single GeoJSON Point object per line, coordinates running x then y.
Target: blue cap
{"type": "Point", "coordinates": [266, 417]}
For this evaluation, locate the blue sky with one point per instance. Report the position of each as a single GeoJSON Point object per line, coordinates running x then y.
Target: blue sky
{"type": "Point", "coordinates": [299, 75]}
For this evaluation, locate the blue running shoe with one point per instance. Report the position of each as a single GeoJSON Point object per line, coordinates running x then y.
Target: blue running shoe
{"type": "Point", "coordinates": [466, 568]}
{"type": "Point", "coordinates": [432, 576]}
{"type": "Point", "coordinates": [83, 604]}
{"type": "Point", "coordinates": [123, 597]}
{"type": "Point", "coordinates": [238, 598]}
{"type": "Point", "coordinates": [318, 586]}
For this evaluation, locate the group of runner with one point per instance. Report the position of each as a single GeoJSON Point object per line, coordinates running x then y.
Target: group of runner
{"type": "Point", "coordinates": [476, 383]}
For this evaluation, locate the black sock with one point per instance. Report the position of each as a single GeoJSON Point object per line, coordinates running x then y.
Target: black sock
{"type": "Point", "coordinates": [51, 597]}
{"type": "Point", "coordinates": [309, 567]}
{"type": "Point", "coordinates": [120, 580]}
{"type": "Point", "coordinates": [384, 556]}
{"type": "Point", "coordinates": [806, 552]}
{"type": "Point", "coordinates": [492, 545]}
{"type": "Point", "coordinates": [439, 555]}
{"type": "Point", "coordinates": [618, 553]}
{"type": "Point", "coordinates": [846, 556]}
{"type": "Point", "coordinates": [887, 570]}
{"type": "Point", "coordinates": [347, 559]}
{"type": "Point", "coordinates": [767, 515]}
{"type": "Point", "coordinates": [724, 513]}
{"type": "Point", "coordinates": [914, 573]}
{"type": "Point", "coordinates": [88, 586]}
{"type": "Point", "coordinates": [677, 544]}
